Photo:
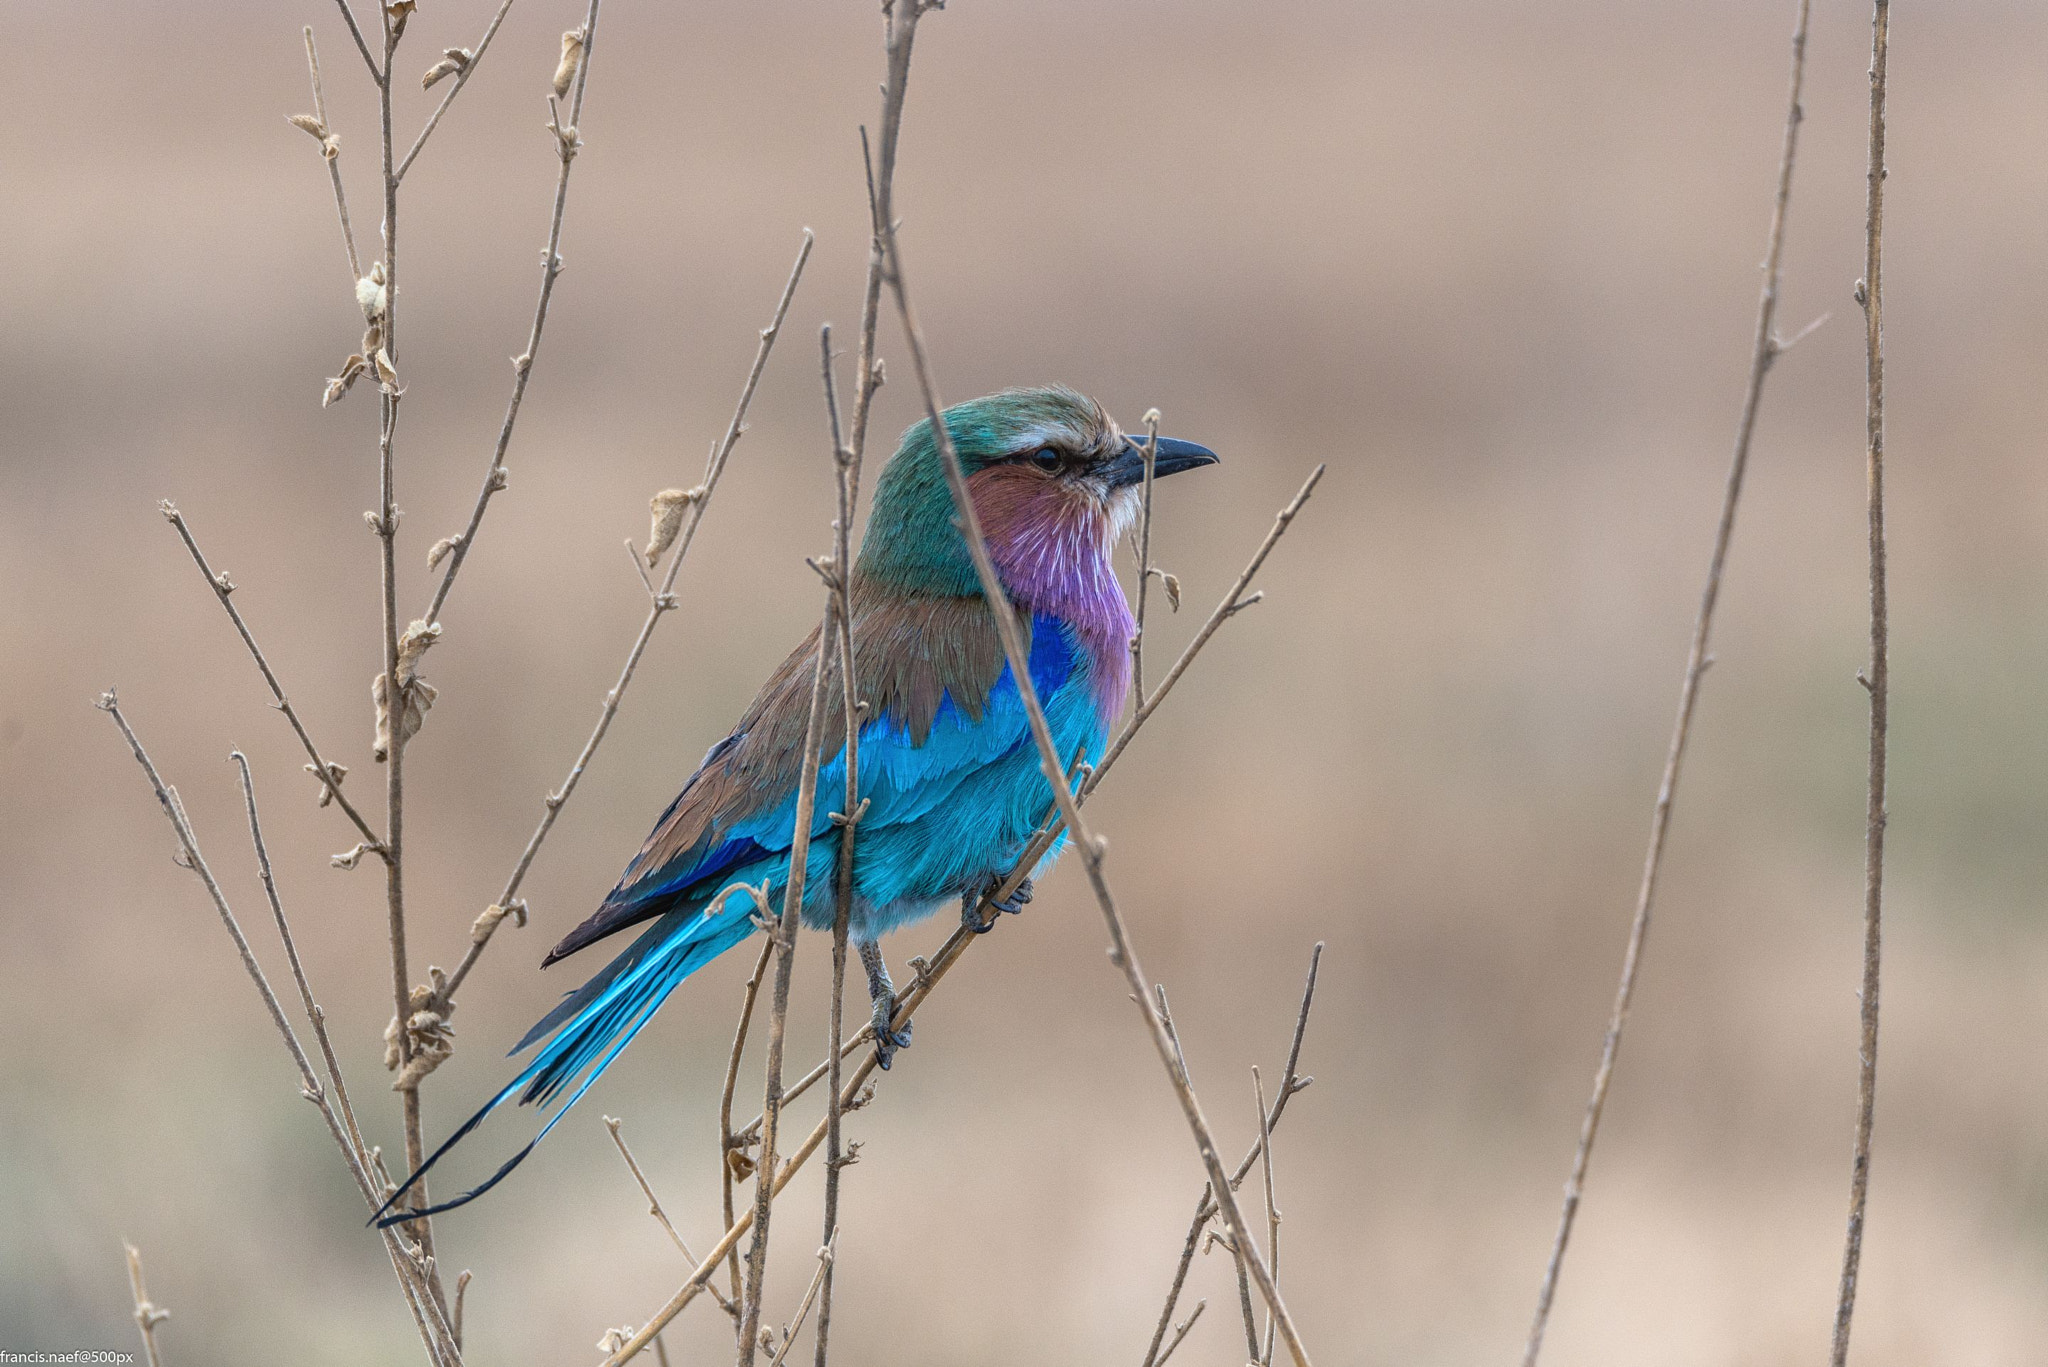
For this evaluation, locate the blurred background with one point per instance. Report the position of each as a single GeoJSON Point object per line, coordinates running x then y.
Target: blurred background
{"type": "Point", "coordinates": [1496, 264]}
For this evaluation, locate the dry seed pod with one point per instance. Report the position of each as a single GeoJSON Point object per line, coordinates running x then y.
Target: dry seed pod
{"type": "Point", "coordinates": [667, 508]}
{"type": "Point", "coordinates": [572, 57]}
{"type": "Point", "coordinates": [372, 295]}
{"type": "Point", "coordinates": [453, 59]}
{"type": "Point", "coordinates": [412, 645]}
{"type": "Point", "coordinates": [351, 370]}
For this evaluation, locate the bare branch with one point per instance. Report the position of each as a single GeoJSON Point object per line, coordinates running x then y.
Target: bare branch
{"type": "Point", "coordinates": [663, 602]}
{"type": "Point", "coordinates": [348, 17]}
{"type": "Point", "coordinates": [1053, 765]}
{"type": "Point", "coordinates": [462, 75]}
{"type": "Point", "coordinates": [328, 774]}
{"type": "Point", "coordinates": [1763, 349]}
{"type": "Point", "coordinates": [1870, 293]}
{"type": "Point", "coordinates": [148, 1315]}
{"type": "Point", "coordinates": [1205, 1205]}
{"type": "Point", "coordinates": [778, 1008]}
{"type": "Point", "coordinates": [731, 1153]}
{"type": "Point", "coordinates": [1144, 558]}
{"type": "Point", "coordinates": [845, 463]}
{"type": "Point", "coordinates": [330, 152]}
{"type": "Point", "coordinates": [433, 1327]}
{"type": "Point", "coordinates": [522, 365]}
{"type": "Point", "coordinates": [654, 1205]}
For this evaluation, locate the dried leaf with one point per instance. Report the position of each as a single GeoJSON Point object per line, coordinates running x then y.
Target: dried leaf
{"type": "Point", "coordinates": [453, 59]}
{"type": "Point", "coordinates": [412, 645]}
{"type": "Point", "coordinates": [440, 549]}
{"type": "Point", "coordinates": [387, 374]}
{"type": "Point", "coordinates": [667, 508]}
{"type": "Point", "coordinates": [351, 370]}
{"type": "Point", "coordinates": [372, 295]}
{"type": "Point", "coordinates": [572, 57]}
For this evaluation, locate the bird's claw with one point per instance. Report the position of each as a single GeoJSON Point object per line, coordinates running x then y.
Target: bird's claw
{"type": "Point", "coordinates": [887, 1040]}
{"type": "Point", "coordinates": [971, 907]}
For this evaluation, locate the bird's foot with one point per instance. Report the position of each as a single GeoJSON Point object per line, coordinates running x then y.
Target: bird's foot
{"type": "Point", "coordinates": [887, 1040]}
{"type": "Point", "coordinates": [970, 906]}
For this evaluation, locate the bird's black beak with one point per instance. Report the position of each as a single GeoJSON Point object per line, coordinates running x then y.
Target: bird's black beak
{"type": "Point", "coordinates": [1128, 467]}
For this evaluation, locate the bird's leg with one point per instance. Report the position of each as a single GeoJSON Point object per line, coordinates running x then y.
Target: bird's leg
{"type": "Point", "coordinates": [971, 903]}
{"type": "Point", "coordinates": [883, 994]}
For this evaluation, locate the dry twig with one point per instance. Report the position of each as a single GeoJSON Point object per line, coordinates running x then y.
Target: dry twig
{"type": "Point", "coordinates": [654, 1205]}
{"type": "Point", "coordinates": [1090, 847]}
{"type": "Point", "coordinates": [1877, 682]}
{"type": "Point", "coordinates": [1764, 350]}
{"type": "Point", "coordinates": [148, 1314]}
{"type": "Point", "coordinates": [663, 601]}
{"type": "Point", "coordinates": [407, 1261]}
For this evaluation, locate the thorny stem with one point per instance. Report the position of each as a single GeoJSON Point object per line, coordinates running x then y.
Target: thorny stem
{"type": "Point", "coordinates": [1053, 766]}
{"type": "Point", "coordinates": [550, 268]}
{"type": "Point", "coordinates": [348, 236]}
{"type": "Point", "coordinates": [786, 933]}
{"type": "Point", "coordinates": [406, 1261]}
{"type": "Point", "coordinates": [1764, 350]}
{"type": "Point", "coordinates": [663, 601]}
{"type": "Point", "coordinates": [462, 79]}
{"type": "Point", "coordinates": [222, 587]}
{"type": "Point", "coordinates": [1877, 682]}
{"type": "Point", "coordinates": [1205, 1206]}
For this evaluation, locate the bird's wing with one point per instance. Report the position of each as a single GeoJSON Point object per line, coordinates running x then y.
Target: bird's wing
{"type": "Point", "coordinates": [922, 665]}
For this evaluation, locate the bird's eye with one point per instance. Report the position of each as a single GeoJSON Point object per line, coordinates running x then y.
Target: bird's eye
{"type": "Point", "coordinates": [1045, 458]}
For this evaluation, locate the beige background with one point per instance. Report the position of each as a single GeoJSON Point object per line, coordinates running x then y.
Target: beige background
{"type": "Point", "coordinates": [1495, 263]}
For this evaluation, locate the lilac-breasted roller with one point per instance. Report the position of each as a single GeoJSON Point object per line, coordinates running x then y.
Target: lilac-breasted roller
{"type": "Point", "coordinates": [948, 767]}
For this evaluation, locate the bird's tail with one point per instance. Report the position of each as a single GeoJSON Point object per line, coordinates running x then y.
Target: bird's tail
{"type": "Point", "coordinates": [589, 1028]}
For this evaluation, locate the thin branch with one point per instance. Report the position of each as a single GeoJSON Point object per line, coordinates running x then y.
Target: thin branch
{"type": "Point", "coordinates": [148, 1314]}
{"type": "Point", "coordinates": [778, 1007]}
{"type": "Point", "coordinates": [1144, 559]}
{"type": "Point", "coordinates": [654, 1206]}
{"type": "Point", "coordinates": [1053, 765]}
{"type": "Point", "coordinates": [790, 1330]}
{"type": "Point", "coordinates": [462, 75]}
{"type": "Point", "coordinates": [328, 774]}
{"type": "Point", "coordinates": [727, 1145]}
{"type": "Point", "coordinates": [1181, 1331]}
{"type": "Point", "coordinates": [1042, 841]}
{"type": "Point", "coordinates": [316, 1017]}
{"type": "Point", "coordinates": [1272, 1210]}
{"type": "Point", "coordinates": [662, 603]}
{"type": "Point", "coordinates": [433, 1327]}
{"type": "Point", "coordinates": [330, 152]}
{"type": "Point", "coordinates": [568, 142]}
{"type": "Point", "coordinates": [1763, 351]}
{"type": "Point", "coordinates": [1870, 294]}
{"type": "Point", "coordinates": [348, 17]}
{"type": "Point", "coordinates": [1233, 603]}
{"type": "Point", "coordinates": [844, 463]}
{"type": "Point", "coordinates": [1205, 1207]}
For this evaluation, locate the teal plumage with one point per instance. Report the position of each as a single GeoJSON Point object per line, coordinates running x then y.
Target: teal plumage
{"type": "Point", "coordinates": [948, 767]}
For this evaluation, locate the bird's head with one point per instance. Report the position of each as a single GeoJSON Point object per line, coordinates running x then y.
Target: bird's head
{"type": "Point", "coordinates": [1054, 481]}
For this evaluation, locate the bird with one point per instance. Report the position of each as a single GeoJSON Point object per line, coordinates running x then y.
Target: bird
{"type": "Point", "coordinates": [948, 770]}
